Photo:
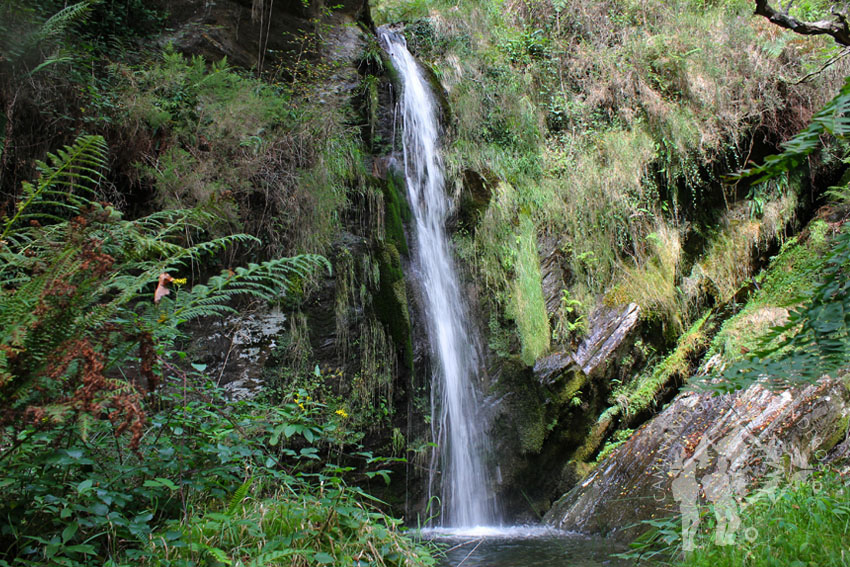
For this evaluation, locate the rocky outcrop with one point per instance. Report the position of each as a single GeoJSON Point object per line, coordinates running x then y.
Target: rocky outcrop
{"type": "Point", "coordinates": [260, 33]}
{"type": "Point", "coordinates": [741, 439]}
{"type": "Point", "coordinates": [233, 350]}
{"type": "Point", "coordinates": [609, 331]}
{"type": "Point", "coordinates": [544, 415]}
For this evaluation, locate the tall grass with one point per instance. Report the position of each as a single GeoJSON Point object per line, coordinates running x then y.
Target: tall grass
{"type": "Point", "coordinates": [527, 306]}
{"type": "Point", "coordinates": [610, 120]}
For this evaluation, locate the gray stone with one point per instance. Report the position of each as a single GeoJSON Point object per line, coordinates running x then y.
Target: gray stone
{"type": "Point", "coordinates": [235, 350]}
{"type": "Point", "coordinates": [610, 329]}
{"type": "Point", "coordinates": [749, 437]}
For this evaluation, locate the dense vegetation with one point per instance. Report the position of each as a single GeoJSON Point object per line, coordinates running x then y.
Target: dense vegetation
{"type": "Point", "coordinates": [604, 129]}
{"type": "Point", "coordinates": [143, 189]}
{"type": "Point", "coordinates": [116, 446]}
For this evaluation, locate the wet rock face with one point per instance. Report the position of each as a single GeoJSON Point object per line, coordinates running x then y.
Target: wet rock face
{"type": "Point", "coordinates": [543, 416]}
{"type": "Point", "coordinates": [233, 349]}
{"type": "Point", "coordinates": [701, 442]}
{"type": "Point", "coordinates": [247, 31]}
{"type": "Point", "coordinates": [609, 331]}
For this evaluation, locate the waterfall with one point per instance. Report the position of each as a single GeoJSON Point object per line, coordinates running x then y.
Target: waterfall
{"type": "Point", "coordinates": [459, 424]}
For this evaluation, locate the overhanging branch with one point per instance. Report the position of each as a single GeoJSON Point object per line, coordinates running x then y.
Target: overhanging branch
{"type": "Point", "coordinates": [836, 28]}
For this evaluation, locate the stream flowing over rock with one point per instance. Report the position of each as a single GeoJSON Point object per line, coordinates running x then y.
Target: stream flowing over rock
{"type": "Point", "coordinates": [745, 439]}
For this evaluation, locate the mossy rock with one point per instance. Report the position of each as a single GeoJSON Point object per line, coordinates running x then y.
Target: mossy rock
{"type": "Point", "coordinates": [391, 305]}
{"type": "Point", "coordinates": [477, 192]}
{"type": "Point", "coordinates": [397, 212]}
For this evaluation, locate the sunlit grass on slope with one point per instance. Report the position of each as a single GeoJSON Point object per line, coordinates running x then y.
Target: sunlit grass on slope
{"type": "Point", "coordinates": [609, 119]}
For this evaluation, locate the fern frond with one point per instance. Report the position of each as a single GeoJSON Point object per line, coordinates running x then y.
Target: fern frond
{"type": "Point", "coordinates": [84, 423]}
{"type": "Point", "coordinates": [266, 281]}
{"type": "Point", "coordinates": [77, 167]}
{"type": "Point", "coordinates": [60, 21]}
{"type": "Point", "coordinates": [239, 496]}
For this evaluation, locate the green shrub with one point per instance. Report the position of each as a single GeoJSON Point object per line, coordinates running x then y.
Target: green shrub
{"type": "Point", "coordinates": [112, 450]}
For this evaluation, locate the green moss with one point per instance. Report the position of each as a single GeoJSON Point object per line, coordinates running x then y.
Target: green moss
{"type": "Point", "coordinates": [576, 382]}
{"type": "Point", "coordinates": [397, 213]}
{"type": "Point", "coordinates": [839, 434]}
{"type": "Point", "coordinates": [640, 393]}
{"type": "Point", "coordinates": [792, 274]}
{"type": "Point", "coordinates": [527, 413]}
{"type": "Point", "coordinates": [592, 442]}
{"type": "Point", "coordinates": [616, 440]}
{"type": "Point", "coordinates": [391, 304]}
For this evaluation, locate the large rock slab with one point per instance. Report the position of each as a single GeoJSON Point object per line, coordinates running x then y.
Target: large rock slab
{"type": "Point", "coordinates": [743, 439]}
{"type": "Point", "coordinates": [609, 331]}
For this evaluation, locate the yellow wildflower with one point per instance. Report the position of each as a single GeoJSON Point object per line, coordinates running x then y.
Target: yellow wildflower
{"type": "Point", "coordinates": [342, 413]}
{"type": "Point", "coordinates": [179, 281]}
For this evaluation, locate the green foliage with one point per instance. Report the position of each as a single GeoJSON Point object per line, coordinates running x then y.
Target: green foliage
{"type": "Point", "coordinates": [250, 481]}
{"type": "Point", "coordinates": [813, 341]}
{"type": "Point", "coordinates": [73, 299]}
{"type": "Point", "coordinates": [616, 440]}
{"type": "Point", "coordinates": [527, 306]}
{"type": "Point", "coordinates": [109, 452]}
{"type": "Point", "coordinates": [229, 141]}
{"type": "Point", "coordinates": [797, 523]}
{"type": "Point", "coordinates": [76, 168]}
{"type": "Point", "coordinates": [833, 120]}
{"type": "Point", "coordinates": [642, 391]}
{"type": "Point", "coordinates": [109, 19]}
{"type": "Point", "coordinates": [652, 283]}
{"type": "Point", "coordinates": [569, 319]}
{"type": "Point", "coordinates": [790, 277]}
{"type": "Point", "coordinates": [610, 122]}
{"type": "Point", "coordinates": [25, 32]}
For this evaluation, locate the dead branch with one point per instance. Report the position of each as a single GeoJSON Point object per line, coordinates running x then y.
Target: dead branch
{"type": "Point", "coordinates": [836, 28]}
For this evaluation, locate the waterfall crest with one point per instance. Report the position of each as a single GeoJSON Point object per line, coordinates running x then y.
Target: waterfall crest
{"type": "Point", "coordinates": [459, 429]}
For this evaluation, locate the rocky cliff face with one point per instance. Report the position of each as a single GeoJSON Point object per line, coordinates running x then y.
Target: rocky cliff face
{"type": "Point", "coordinates": [545, 415]}
{"type": "Point", "coordinates": [745, 439]}
{"type": "Point", "coordinates": [259, 33]}
{"type": "Point", "coordinates": [352, 336]}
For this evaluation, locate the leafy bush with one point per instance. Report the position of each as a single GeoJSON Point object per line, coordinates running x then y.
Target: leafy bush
{"type": "Point", "coordinates": [241, 482]}
{"type": "Point", "coordinates": [110, 452]}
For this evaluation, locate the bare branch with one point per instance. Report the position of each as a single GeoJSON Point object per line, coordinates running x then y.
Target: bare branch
{"type": "Point", "coordinates": [837, 29]}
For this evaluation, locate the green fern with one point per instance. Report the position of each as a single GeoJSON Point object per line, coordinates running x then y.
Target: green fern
{"type": "Point", "coordinates": [63, 19]}
{"type": "Point", "coordinates": [68, 285]}
{"type": "Point", "coordinates": [67, 181]}
{"type": "Point", "coordinates": [238, 497]}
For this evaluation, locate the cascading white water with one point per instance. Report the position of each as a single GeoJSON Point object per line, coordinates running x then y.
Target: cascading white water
{"type": "Point", "coordinates": [465, 483]}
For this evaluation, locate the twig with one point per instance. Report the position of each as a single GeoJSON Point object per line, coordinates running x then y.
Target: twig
{"type": "Point", "coordinates": [844, 52]}
{"type": "Point", "coordinates": [471, 552]}
{"type": "Point", "coordinates": [458, 546]}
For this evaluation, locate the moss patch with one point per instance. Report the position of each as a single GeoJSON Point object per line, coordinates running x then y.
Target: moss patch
{"type": "Point", "coordinates": [397, 213]}
{"type": "Point", "coordinates": [391, 304]}
{"type": "Point", "coordinates": [792, 274]}
{"type": "Point", "coordinates": [528, 307]}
